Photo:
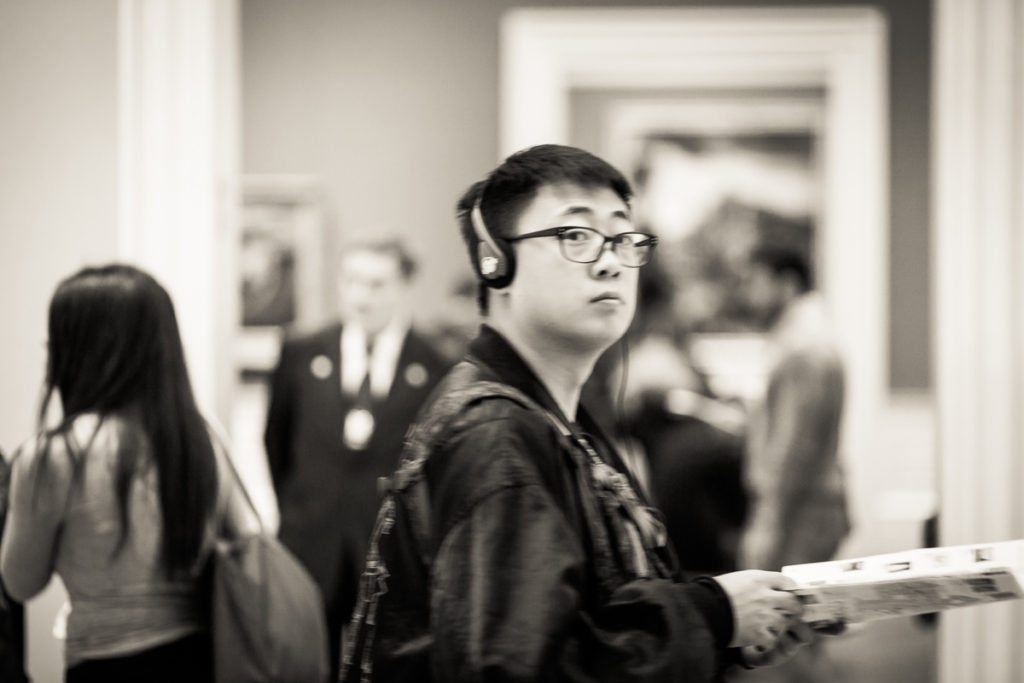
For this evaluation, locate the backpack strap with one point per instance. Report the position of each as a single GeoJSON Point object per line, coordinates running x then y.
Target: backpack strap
{"type": "Point", "coordinates": [424, 437]}
{"type": "Point", "coordinates": [408, 481]}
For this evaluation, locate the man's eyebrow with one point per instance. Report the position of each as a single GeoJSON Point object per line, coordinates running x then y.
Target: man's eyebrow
{"type": "Point", "coordinates": [586, 210]}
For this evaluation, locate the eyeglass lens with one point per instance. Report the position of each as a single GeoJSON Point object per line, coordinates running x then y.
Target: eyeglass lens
{"type": "Point", "coordinates": [584, 245]}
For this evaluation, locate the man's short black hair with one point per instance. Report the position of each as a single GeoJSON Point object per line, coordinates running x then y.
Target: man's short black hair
{"type": "Point", "coordinates": [785, 261]}
{"type": "Point", "coordinates": [509, 187]}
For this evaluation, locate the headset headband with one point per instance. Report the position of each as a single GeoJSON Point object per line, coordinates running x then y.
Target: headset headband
{"type": "Point", "coordinates": [482, 233]}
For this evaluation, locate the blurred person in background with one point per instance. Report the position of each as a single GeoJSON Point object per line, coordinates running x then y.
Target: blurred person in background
{"type": "Point", "coordinates": [798, 500]}
{"type": "Point", "coordinates": [341, 399]}
{"type": "Point", "coordinates": [688, 441]}
{"type": "Point", "coordinates": [123, 496]}
{"type": "Point", "coordinates": [514, 544]}
{"type": "Point", "coordinates": [793, 475]}
{"type": "Point", "coordinates": [694, 440]}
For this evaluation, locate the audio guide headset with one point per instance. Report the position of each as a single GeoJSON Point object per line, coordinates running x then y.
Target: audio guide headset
{"type": "Point", "coordinates": [495, 261]}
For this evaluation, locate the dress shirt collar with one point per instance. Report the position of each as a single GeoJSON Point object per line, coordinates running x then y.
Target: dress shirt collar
{"type": "Point", "coordinates": [380, 361]}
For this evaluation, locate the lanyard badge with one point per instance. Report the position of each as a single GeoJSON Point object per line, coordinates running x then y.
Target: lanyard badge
{"type": "Point", "coordinates": [358, 428]}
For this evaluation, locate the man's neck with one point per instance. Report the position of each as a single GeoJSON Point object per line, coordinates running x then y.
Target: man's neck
{"type": "Point", "coordinates": [562, 368]}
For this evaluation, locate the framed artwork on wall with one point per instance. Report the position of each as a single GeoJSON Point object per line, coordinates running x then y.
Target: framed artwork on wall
{"type": "Point", "coordinates": [283, 247]}
{"type": "Point", "coordinates": [716, 176]}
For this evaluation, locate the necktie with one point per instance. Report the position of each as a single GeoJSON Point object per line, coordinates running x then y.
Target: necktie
{"type": "Point", "coordinates": [359, 422]}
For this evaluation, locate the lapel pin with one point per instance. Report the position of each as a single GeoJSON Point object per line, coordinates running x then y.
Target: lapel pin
{"type": "Point", "coordinates": [416, 375]}
{"type": "Point", "coordinates": [321, 367]}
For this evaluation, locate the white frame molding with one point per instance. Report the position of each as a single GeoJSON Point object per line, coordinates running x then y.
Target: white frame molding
{"type": "Point", "coordinates": [546, 53]}
{"type": "Point", "coordinates": [979, 310]}
{"type": "Point", "coordinates": [626, 122]}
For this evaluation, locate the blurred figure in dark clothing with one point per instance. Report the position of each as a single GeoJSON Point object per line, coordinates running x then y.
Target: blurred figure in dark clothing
{"type": "Point", "coordinates": [696, 470]}
{"type": "Point", "coordinates": [687, 444]}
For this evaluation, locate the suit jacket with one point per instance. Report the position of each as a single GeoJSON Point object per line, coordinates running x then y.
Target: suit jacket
{"type": "Point", "coordinates": [326, 492]}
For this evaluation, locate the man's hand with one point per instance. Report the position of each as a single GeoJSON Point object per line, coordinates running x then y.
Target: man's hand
{"type": "Point", "coordinates": [762, 607]}
{"type": "Point", "coordinates": [796, 635]}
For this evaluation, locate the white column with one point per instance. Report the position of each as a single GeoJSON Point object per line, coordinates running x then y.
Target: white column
{"type": "Point", "coordinates": [178, 170]}
{"type": "Point", "coordinates": [979, 298]}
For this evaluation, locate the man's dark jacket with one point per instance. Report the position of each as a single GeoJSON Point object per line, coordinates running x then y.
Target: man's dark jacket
{"type": "Point", "coordinates": [503, 560]}
{"type": "Point", "coordinates": [326, 492]}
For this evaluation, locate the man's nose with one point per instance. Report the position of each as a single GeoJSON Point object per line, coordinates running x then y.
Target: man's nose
{"type": "Point", "coordinates": [607, 264]}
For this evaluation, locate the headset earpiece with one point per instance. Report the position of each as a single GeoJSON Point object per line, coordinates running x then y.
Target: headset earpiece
{"type": "Point", "coordinates": [491, 263]}
{"type": "Point", "coordinates": [494, 264]}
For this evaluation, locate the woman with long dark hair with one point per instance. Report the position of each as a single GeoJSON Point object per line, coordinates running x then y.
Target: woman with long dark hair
{"type": "Point", "coordinates": [122, 496]}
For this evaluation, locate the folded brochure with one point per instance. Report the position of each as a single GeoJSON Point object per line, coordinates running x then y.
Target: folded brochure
{"type": "Point", "coordinates": [910, 582]}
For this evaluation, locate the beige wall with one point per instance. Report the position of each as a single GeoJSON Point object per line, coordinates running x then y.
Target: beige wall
{"type": "Point", "coordinates": [395, 106]}
{"type": "Point", "coordinates": [58, 207]}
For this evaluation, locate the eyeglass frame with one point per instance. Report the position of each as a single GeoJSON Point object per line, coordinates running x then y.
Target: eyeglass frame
{"type": "Point", "coordinates": [651, 242]}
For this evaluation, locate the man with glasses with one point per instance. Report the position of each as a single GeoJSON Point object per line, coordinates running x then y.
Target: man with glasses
{"type": "Point", "coordinates": [513, 544]}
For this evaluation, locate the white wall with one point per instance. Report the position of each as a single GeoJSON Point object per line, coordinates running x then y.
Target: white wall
{"type": "Point", "coordinates": [58, 204]}
{"type": "Point", "coordinates": [979, 312]}
{"type": "Point", "coordinates": [58, 207]}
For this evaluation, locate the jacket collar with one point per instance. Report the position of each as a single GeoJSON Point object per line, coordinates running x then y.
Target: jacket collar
{"type": "Point", "coordinates": [499, 356]}
{"type": "Point", "coordinates": [495, 354]}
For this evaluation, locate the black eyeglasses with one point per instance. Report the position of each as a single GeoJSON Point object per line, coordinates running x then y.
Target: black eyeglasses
{"type": "Point", "coordinates": [584, 245]}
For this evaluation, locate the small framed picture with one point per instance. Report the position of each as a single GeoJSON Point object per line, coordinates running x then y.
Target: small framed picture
{"type": "Point", "coordinates": [283, 247]}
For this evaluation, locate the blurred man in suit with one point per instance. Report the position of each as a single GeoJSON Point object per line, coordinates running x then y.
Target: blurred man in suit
{"type": "Point", "coordinates": [341, 400]}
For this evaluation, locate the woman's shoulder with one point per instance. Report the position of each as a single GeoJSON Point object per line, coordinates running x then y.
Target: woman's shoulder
{"type": "Point", "coordinates": [52, 446]}
{"type": "Point", "coordinates": [64, 448]}
{"type": "Point", "coordinates": [42, 469]}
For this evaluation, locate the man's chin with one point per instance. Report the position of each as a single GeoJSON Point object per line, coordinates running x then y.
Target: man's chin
{"type": "Point", "coordinates": [614, 325]}
{"type": "Point", "coordinates": [599, 334]}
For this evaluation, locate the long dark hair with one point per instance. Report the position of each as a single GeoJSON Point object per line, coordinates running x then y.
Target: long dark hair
{"type": "Point", "coordinates": [114, 348]}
